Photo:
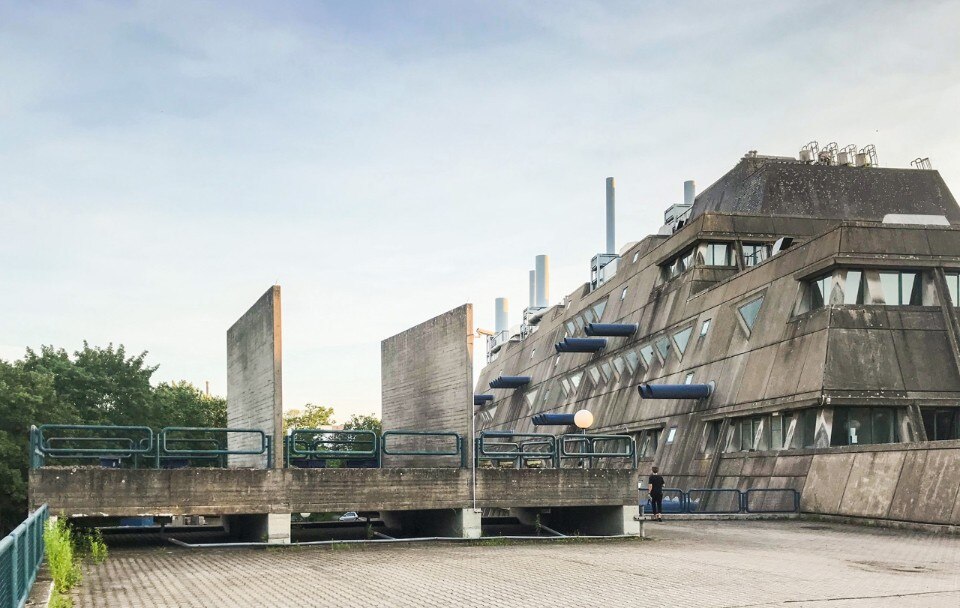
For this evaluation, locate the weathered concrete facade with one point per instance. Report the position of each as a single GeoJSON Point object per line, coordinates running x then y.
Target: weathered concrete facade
{"type": "Point", "coordinates": [788, 368]}
{"type": "Point", "coordinates": [254, 380]}
{"type": "Point", "coordinates": [427, 385]}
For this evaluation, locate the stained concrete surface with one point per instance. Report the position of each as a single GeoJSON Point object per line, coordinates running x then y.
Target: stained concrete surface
{"type": "Point", "coordinates": [693, 563]}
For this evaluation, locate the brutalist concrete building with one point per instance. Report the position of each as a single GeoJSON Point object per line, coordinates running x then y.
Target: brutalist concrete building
{"type": "Point", "coordinates": [813, 302]}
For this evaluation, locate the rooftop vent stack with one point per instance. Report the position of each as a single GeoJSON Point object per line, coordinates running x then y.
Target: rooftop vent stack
{"type": "Point", "coordinates": [543, 281]}
{"type": "Point", "coordinates": [502, 312]}
{"type": "Point", "coordinates": [533, 289]}
{"type": "Point", "coordinates": [611, 217]}
{"type": "Point", "coordinates": [689, 192]}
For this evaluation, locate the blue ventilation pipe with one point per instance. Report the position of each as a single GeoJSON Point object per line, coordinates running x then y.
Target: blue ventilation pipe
{"type": "Point", "coordinates": [481, 399]}
{"type": "Point", "coordinates": [675, 391]}
{"type": "Point", "coordinates": [510, 381]}
{"type": "Point", "coordinates": [580, 345]}
{"type": "Point", "coordinates": [552, 419]}
{"type": "Point", "coordinates": [611, 329]}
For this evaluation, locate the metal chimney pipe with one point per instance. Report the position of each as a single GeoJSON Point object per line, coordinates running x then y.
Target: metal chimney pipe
{"type": "Point", "coordinates": [689, 191]}
{"type": "Point", "coordinates": [543, 281]}
{"type": "Point", "coordinates": [533, 289]}
{"type": "Point", "coordinates": [611, 217]}
{"type": "Point", "coordinates": [502, 314]}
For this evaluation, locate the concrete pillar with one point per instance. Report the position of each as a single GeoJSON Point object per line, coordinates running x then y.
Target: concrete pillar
{"type": "Point", "coordinates": [272, 528]}
{"type": "Point", "coordinates": [449, 523]}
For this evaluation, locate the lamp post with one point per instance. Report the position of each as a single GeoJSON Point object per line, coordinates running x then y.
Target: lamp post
{"type": "Point", "coordinates": [584, 420]}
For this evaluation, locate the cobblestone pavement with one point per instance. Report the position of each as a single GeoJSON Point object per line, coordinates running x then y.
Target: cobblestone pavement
{"type": "Point", "coordinates": [697, 563]}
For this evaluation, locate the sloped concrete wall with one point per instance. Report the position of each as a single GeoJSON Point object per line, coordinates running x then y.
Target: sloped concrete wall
{"type": "Point", "coordinates": [427, 385]}
{"type": "Point", "coordinates": [917, 482]}
{"type": "Point", "coordinates": [254, 380]}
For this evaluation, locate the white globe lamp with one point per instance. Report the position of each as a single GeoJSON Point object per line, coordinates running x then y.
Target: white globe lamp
{"type": "Point", "coordinates": [583, 419]}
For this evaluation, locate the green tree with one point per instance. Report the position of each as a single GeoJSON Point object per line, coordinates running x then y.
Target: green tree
{"type": "Point", "coordinates": [183, 404]}
{"type": "Point", "coordinates": [367, 422]}
{"type": "Point", "coordinates": [312, 416]}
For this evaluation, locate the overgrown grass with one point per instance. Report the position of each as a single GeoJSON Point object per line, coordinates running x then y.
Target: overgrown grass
{"type": "Point", "coordinates": [65, 547]}
{"type": "Point", "coordinates": [64, 567]}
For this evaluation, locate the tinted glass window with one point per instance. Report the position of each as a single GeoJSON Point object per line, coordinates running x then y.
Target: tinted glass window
{"type": "Point", "coordinates": [853, 288]}
{"type": "Point", "coordinates": [750, 311]}
{"type": "Point", "coordinates": [681, 338]}
{"type": "Point", "coordinates": [663, 347]}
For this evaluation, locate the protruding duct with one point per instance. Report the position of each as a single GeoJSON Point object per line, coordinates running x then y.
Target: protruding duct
{"type": "Point", "coordinates": [510, 381]}
{"type": "Point", "coordinates": [675, 391]}
{"type": "Point", "coordinates": [581, 345]}
{"type": "Point", "coordinates": [543, 281]}
{"type": "Point", "coordinates": [689, 192]}
{"type": "Point", "coordinates": [482, 399]}
{"type": "Point", "coordinates": [610, 329]}
{"type": "Point", "coordinates": [611, 218]}
{"type": "Point", "coordinates": [502, 314]}
{"type": "Point", "coordinates": [533, 289]}
{"type": "Point", "coordinates": [552, 419]}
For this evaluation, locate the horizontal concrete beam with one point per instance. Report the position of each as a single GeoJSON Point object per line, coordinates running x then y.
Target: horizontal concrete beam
{"type": "Point", "coordinates": [92, 491]}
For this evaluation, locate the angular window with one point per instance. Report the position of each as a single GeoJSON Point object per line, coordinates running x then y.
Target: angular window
{"type": "Point", "coordinates": [953, 286]}
{"type": "Point", "coordinates": [598, 309]}
{"type": "Point", "coordinates": [607, 370]}
{"type": "Point", "coordinates": [750, 311]}
{"type": "Point", "coordinates": [588, 316]}
{"type": "Point", "coordinates": [663, 347]}
{"type": "Point", "coordinates": [647, 353]}
{"type": "Point", "coordinates": [556, 361]}
{"type": "Point", "coordinates": [818, 293]}
{"type": "Point", "coordinates": [704, 328]}
{"type": "Point", "coordinates": [778, 432]}
{"type": "Point", "coordinates": [632, 359]}
{"type": "Point", "coordinates": [647, 443]}
{"type": "Point", "coordinates": [594, 374]}
{"type": "Point", "coordinates": [620, 366]}
{"type": "Point", "coordinates": [563, 387]}
{"type": "Point", "coordinates": [941, 424]}
{"type": "Point", "coordinates": [853, 292]}
{"type": "Point", "coordinates": [636, 257]}
{"type": "Point", "coordinates": [571, 329]}
{"type": "Point", "coordinates": [531, 396]}
{"type": "Point", "coordinates": [901, 288]}
{"type": "Point", "coordinates": [718, 254]}
{"type": "Point", "coordinates": [575, 379]}
{"type": "Point", "coordinates": [863, 425]}
{"type": "Point", "coordinates": [623, 294]}
{"type": "Point", "coordinates": [688, 379]}
{"type": "Point", "coordinates": [579, 321]}
{"type": "Point", "coordinates": [532, 353]}
{"type": "Point", "coordinates": [754, 253]}
{"type": "Point", "coordinates": [671, 434]}
{"type": "Point", "coordinates": [681, 338]}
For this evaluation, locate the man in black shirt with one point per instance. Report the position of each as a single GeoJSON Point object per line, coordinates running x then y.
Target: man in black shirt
{"type": "Point", "coordinates": [655, 489]}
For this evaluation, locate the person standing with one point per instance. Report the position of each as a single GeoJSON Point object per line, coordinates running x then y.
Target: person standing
{"type": "Point", "coordinates": [655, 490]}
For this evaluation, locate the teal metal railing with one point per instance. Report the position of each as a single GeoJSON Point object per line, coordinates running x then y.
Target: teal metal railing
{"type": "Point", "coordinates": [583, 446]}
{"type": "Point", "coordinates": [324, 444]}
{"type": "Point", "coordinates": [168, 438]}
{"type": "Point", "coordinates": [84, 441]}
{"type": "Point", "coordinates": [21, 553]}
{"type": "Point", "coordinates": [455, 448]}
{"type": "Point", "coordinates": [507, 445]}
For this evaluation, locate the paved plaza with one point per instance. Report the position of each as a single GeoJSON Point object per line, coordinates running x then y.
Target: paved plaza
{"type": "Point", "coordinates": [692, 563]}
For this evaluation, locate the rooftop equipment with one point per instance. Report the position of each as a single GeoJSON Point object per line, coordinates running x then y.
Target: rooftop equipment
{"type": "Point", "coordinates": [611, 218]}
{"type": "Point", "coordinates": [810, 152]}
{"type": "Point", "coordinates": [611, 329]}
{"type": "Point", "coordinates": [581, 345]}
{"type": "Point", "coordinates": [510, 381]}
{"type": "Point", "coordinates": [867, 156]}
{"type": "Point", "coordinates": [502, 314]}
{"type": "Point", "coordinates": [481, 399]}
{"type": "Point", "coordinates": [543, 281]}
{"type": "Point", "coordinates": [921, 163]}
{"type": "Point", "coordinates": [846, 156]}
{"type": "Point", "coordinates": [675, 391]}
{"type": "Point", "coordinates": [533, 289]}
{"type": "Point", "coordinates": [552, 419]}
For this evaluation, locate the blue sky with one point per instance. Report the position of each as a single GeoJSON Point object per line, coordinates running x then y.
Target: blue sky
{"type": "Point", "coordinates": [162, 164]}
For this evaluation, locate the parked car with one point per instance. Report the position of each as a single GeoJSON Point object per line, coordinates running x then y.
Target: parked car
{"type": "Point", "coordinates": [350, 516]}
